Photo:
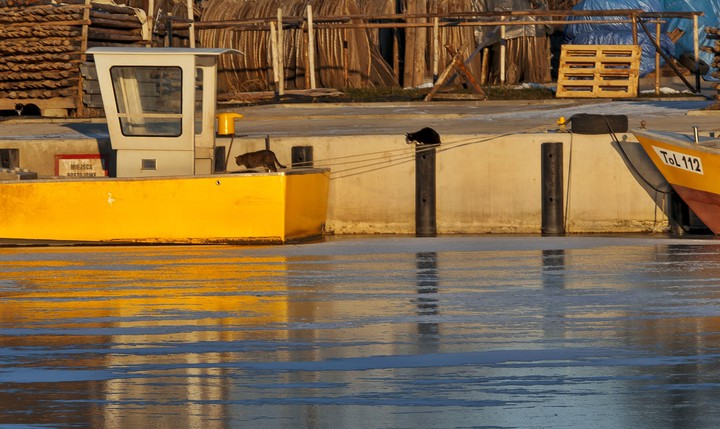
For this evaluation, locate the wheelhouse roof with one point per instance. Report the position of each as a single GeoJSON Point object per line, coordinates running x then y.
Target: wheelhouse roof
{"type": "Point", "coordinates": [160, 51]}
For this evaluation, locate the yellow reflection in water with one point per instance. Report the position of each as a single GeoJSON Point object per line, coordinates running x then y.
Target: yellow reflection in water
{"type": "Point", "coordinates": [148, 310]}
{"type": "Point", "coordinates": [140, 281]}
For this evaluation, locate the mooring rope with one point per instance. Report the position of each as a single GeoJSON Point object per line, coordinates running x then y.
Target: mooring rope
{"type": "Point", "coordinates": [374, 166]}
{"type": "Point", "coordinates": [638, 174]}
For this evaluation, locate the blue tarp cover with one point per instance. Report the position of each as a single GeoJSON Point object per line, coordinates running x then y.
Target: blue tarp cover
{"type": "Point", "coordinates": [619, 33]}
{"type": "Point", "coordinates": [710, 18]}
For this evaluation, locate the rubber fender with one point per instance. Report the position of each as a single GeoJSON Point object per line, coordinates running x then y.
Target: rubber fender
{"type": "Point", "coordinates": [586, 123]}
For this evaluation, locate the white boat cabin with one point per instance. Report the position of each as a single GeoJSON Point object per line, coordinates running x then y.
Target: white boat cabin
{"type": "Point", "coordinates": [160, 108]}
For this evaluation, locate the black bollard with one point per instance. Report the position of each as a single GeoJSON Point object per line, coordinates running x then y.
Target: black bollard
{"type": "Point", "coordinates": [425, 220]}
{"type": "Point", "coordinates": [553, 222]}
{"type": "Point", "coordinates": [678, 214]}
{"type": "Point", "coordinates": [301, 156]}
{"type": "Point", "coordinates": [220, 159]}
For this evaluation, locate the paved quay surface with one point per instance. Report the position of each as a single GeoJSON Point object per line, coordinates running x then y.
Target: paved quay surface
{"type": "Point", "coordinates": [469, 117]}
{"type": "Point", "coordinates": [493, 117]}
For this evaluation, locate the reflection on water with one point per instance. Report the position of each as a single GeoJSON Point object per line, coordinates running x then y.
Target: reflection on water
{"type": "Point", "coordinates": [553, 268]}
{"type": "Point", "coordinates": [427, 301]}
{"type": "Point", "coordinates": [477, 332]}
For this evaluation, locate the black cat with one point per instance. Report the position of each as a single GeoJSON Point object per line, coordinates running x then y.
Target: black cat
{"type": "Point", "coordinates": [27, 109]}
{"type": "Point", "coordinates": [424, 136]}
{"type": "Point", "coordinates": [21, 110]}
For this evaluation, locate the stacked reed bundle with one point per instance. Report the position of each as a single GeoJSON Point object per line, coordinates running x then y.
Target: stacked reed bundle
{"type": "Point", "coordinates": [344, 57]}
{"type": "Point", "coordinates": [42, 45]}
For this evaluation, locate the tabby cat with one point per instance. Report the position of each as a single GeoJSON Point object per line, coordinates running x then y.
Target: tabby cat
{"type": "Point", "coordinates": [262, 158]}
{"type": "Point", "coordinates": [424, 136]}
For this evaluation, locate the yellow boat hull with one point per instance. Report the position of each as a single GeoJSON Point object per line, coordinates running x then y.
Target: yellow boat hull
{"type": "Point", "coordinates": [692, 169]}
{"type": "Point", "coordinates": [229, 208]}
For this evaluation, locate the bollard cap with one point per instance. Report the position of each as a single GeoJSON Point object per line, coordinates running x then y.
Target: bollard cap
{"type": "Point", "coordinates": [226, 124]}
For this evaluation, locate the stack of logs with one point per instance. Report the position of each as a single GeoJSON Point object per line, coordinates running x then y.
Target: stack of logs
{"type": "Point", "coordinates": [714, 33]}
{"type": "Point", "coordinates": [42, 46]}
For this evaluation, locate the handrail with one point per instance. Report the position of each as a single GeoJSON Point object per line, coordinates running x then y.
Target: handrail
{"type": "Point", "coordinates": [371, 22]}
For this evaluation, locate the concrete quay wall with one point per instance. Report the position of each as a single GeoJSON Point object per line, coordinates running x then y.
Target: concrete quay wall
{"type": "Point", "coordinates": [486, 183]}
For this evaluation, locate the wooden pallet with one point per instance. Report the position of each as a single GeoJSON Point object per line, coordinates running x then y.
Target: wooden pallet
{"type": "Point", "coordinates": [598, 71]}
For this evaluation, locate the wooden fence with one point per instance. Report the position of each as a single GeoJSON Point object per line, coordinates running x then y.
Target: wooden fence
{"type": "Point", "coordinates": [43, 45]}
{"type": "Point", "coordinates": [413, 60]}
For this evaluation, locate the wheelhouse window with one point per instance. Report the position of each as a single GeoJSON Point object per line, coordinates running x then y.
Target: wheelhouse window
{"type": "Point", "coordinates": [148, 100]}
{"type": "Point", "coordinates": [198, 101]}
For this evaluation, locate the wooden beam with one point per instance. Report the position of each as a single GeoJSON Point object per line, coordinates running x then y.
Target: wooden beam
{"type": "Point", "coordinates": [457, 65]}
{"type": "Point", "coordinates": [311, 47]}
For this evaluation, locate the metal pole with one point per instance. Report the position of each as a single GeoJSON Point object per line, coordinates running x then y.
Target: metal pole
{"type": "Point", "coordinates": [552, 189]}
{"type": "Point", "coordinates": [425, 218]}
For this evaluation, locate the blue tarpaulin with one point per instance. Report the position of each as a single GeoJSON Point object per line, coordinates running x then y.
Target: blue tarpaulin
{"type": "Point", "coordinates": [621, 33]}
{"type": "Point", "coordinates": [710, 18]}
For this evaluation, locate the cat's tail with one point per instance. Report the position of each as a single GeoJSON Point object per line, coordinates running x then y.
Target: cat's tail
{"type": "Point", "coordinates": [278, 162]}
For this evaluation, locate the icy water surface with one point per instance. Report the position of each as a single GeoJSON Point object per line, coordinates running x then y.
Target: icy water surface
{"type": "Point", "coordinates": [496, 332]}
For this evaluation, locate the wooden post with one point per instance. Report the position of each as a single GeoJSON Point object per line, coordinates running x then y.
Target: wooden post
{"type": "Point", "coordinates": [502, 55]}
{"type": "Point", "coordinates": [657, 59]}
{"type": "Point", "coordinates": [149, 24]}
{"type": "Point", "coordinates": [667, 59]}
{"type": "Point", "coordinates": [80, 104]}
{"type": "Point", "coordinates": [280, 53]}
{"type": "Point", "coordinates": [436, 47]}
{"type": "Point", "coordinates": [633, 18]}
{"type": "Point", "coordinates": [396, 55]}
{"type": "Point", "coordinates": [191, 18]}
{"type": "Point", "coordinates": [274, 54]}
{"type": "Point", "coordinates": [345, 57]}
{"type": "Point", "coordinates": [696, 51]}
{"type": "Point", "coordinates": [306, 55]}
{"type": "Point", "coordinates": [311, 48]}
{"type": "Point", "coordinates": [484, 66]}
{"type": "Point", "coordinates": [415, 64]}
